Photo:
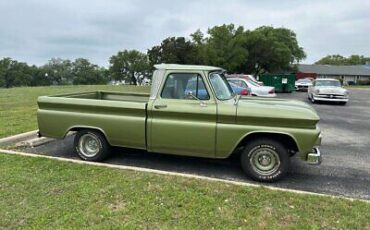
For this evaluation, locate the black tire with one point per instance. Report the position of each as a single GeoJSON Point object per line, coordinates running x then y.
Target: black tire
{"type": "Point", "coordinates": [342, 103]}
{"type": "Point", "coordinates": [257, 153]}
{"type": "Point", "coordinates": [91, 145]}
{"type": "Point", "coordinates": [312, 99]}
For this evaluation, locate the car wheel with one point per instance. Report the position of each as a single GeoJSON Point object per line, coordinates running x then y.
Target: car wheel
{"type": "Point", "coordinates": [312, 99]}
{"type": "Point", "coordinates": [265, 160]}
{"type": "Point", "coordinates": [343, 103]}
{"type": "Point", "coordinates": [91, 145]}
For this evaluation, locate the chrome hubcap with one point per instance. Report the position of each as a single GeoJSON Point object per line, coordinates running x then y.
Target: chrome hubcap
{"type": "Point", "coordinates": [265, 161]}
{"type": "Point", "coordinates": [88, 145]}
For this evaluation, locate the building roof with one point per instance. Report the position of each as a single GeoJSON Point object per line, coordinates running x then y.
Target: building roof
{"type": "Point", "coordinates": [355, 70]}
{"type": "Point", "coordinates": [186, 67]}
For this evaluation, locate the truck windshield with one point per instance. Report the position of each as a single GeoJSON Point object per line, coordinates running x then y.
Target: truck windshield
{"type": "Point", "coordinates": [221, 87]}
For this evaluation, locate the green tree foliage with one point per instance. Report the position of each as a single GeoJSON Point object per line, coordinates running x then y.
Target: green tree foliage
{"type": "Point", "coordinates": [173, 50]}
{"type": "Point", "coordinates": [58, 71]}
{"type": "Point", "coordinates": [129, 65]}
{"type": "Point", "coordinates": [39, 77]}
{"type": "Point", "coordinates": [337, 59]}
{"type": "Point", "coordinates": [225, 47]}
{"type": "Point", "coordinates": [14, 73]}
{"type": "Point", "coordinates": [85, 73]}
{"type": "Point", "coordinates": [265, 49]}
{"type": "Point", "coordinates": [272, 50]}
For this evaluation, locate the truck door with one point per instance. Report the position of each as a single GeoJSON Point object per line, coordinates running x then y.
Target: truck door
{"type": "Point", "coordinates": [182, 119]}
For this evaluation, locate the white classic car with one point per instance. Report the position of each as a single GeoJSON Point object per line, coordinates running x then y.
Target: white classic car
{"type": "Point", "coordinates": [303, 84]}
{"type": "Point", "coordinates": [327, 90]}
{"type": "Point", "coordinates": [256, 89]}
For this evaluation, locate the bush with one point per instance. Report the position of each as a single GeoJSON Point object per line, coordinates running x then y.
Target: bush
{"type": "Point", "coordinates": [363, 82]}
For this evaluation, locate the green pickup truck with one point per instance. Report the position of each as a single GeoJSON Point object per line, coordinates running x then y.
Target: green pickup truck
{"type": "Point", "coordinates": [190, 111]}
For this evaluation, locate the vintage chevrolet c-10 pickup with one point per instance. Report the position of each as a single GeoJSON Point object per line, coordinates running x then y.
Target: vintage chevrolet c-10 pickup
{"type": "Point", "coordinates": [191, 111]}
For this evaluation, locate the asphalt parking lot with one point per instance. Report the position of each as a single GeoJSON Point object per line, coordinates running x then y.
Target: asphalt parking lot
{"type": "Point", "coordinates": [345, 169]}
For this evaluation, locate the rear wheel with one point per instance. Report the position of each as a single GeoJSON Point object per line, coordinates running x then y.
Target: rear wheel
{"type": "Point", "coordinates": [91, 145]}
{"type": "Point", "coordinates": [265, 160]}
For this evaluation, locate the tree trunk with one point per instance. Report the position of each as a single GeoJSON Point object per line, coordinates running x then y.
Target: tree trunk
{"type": "Point", "coordinates": [133, 79]}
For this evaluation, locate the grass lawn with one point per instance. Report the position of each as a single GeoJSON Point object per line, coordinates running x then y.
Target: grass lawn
{"type": "Point", "coordinates": [40, 193]}
{"type": "Point", "coordinates": [18, 106]}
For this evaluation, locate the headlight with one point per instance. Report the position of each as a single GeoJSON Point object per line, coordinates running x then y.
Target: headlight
{"type": "Point", "coordinates": [346, 93]}
{"type": "Point", "coordinates": [317, 91]}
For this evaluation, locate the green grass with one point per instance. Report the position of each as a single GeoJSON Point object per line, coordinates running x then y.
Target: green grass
{"type": "Point", "coordinates": [46, 194]}
{"type": "Point", "coordinates": [18, 106]}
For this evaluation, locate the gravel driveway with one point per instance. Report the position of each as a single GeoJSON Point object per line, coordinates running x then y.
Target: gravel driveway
{"type": "Point", "coordinates": [345, 169]}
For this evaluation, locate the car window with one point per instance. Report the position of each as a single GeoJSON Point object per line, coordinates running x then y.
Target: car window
{"type": "Point", "coordinates": [180, 86]}
{"type": "Point", "coordinates": [239, 83]}
{"type": "Point", "coordinates": [334, 83]}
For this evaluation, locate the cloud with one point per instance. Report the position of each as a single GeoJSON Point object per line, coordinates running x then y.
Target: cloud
{"type": "Point", "coordinates": [35, 30]}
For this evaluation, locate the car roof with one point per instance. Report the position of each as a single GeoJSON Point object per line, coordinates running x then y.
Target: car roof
{"type": "Point", "coordinates": [236, 78]}
{"type": "Point", "coordinates": [187, 67]}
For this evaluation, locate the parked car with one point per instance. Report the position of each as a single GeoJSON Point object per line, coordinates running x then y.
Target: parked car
{"type": "Point", "coordinates": [240, 90]}
{"type": "Point", "coordinates": [328, 90]}
{"type": "Point", "coordinates": [303, 84]}
{"type": "Point", "coordinates": [256, 89]}
{"type": "Point", "coordinates": [248, 77]}
{"type": "Point", "coordinates": [265, 132]}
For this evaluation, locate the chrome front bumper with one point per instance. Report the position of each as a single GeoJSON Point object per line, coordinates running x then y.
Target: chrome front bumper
{"type": "Point", "coordinates": [330, 97]}
{"type": "Point", "coordinates": [314, 158]}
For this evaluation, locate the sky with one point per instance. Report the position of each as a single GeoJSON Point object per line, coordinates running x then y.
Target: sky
{"type": "Point", "coordinates": [34, 31]}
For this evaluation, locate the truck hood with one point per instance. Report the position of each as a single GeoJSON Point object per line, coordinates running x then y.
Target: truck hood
{"type": "Point", "coordinates": [276, 112]}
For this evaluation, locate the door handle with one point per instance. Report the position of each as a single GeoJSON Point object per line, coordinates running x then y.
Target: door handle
{"type": "Point", "coordinates": [160, 106]}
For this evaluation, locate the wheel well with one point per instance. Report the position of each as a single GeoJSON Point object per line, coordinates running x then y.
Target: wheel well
{"type": "Point", "coordinates": [77, 129]}
{"type": "Point", "coordinates": [286, 140]}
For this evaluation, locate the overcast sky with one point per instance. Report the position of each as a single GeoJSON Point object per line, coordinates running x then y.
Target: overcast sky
{"type": "Point", "coordinates": [35, 30]}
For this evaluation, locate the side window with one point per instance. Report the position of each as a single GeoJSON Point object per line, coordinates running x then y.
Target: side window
{"type": "Point", "coordinates": [180, 86]}
{"type": "Point", "coordinates": [239, 83]}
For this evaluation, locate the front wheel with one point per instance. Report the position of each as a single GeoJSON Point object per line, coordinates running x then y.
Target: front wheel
{"type": "Point", "coordinates": [312, 99]}
{"type": "Point", "coordinates": [265, 160]}
{"type": "Point", "coordinates": [91, 145]}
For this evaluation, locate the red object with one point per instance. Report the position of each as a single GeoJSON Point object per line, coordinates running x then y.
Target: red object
{"type": "Point", "coordinates": [244, 92]}
{"type": "Point", "coordinates": [272, 91]}
{"type": "Point", "coordinates": [301, 75]}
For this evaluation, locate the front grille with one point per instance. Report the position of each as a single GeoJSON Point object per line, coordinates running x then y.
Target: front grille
{"type": "Point", "coordinates": [334, 96]}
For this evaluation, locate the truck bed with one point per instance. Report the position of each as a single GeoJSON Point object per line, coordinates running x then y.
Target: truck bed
{"type": "Point", "coordinates": [109, 96]}
{"type": "Point", "coordinates": [120, 116]}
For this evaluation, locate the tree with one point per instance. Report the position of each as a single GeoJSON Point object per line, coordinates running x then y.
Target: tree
{"type": "Point", "coordinates": [13, 73]}
{"type": "Point", "coordinates": [272, 50]}
{"type": "Point", "coordinates": [223, 47]}
{"type": "Point", "coordinates": [173, 50]}
{"type": "Point", "coordinates": [58, 71]}
{"type": "Point", "coordinates": [85, 73]}
{"type": "Point", "coordinates": [39, 77]}
{"type": "Point", "coordinates": [130, 65]}
{"type": "Point", "coordinates": [337, 59]}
